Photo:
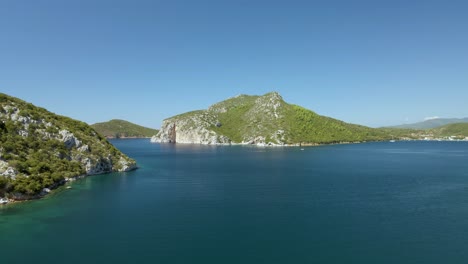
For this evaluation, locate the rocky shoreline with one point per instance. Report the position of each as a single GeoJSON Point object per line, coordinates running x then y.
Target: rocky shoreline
{"type": "Point", "coordinates": [20, 197]}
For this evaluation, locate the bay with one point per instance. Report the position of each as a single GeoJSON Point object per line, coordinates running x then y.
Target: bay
{"type": "Point", "coordinates": [402, 202]}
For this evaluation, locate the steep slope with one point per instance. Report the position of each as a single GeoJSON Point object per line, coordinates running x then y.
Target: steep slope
{"type": "Point", "coordinates": [266, 119]}
{"type": "Point", "coordinates": [117, 128]}
{"type": "Point", "coordinates": [433, 123]}
{"type": "Point", "coordinates": [456, 130]}
{"type": "Point", "coordinates": [39, 149]}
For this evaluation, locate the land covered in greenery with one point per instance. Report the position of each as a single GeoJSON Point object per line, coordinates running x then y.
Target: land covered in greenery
{"type": "Point", "coordinates": [459, 130]}
{"type": "Point", "coordinates": [432, 123]}
{"type": "Point", "coordinates": [455, 131]}
{"type": "Point", "coordinates": [39, 149]}
{"type": "Point", "coordinates": [266, 119]}
{"type": "Point", "coordinates": [117, 128]}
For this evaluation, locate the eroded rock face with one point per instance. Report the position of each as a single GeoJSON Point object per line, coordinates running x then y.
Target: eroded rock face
{"type": "Point", "coordinates": [97, 166]}
{"type": "Point", "coordinates": [104, 165]}
{"type": "Point", "coordinates": [167, 134]}
{"type": "Point", "coordinates": [69, 139]}
{"type": "Point", "coordinates": [7, 171]}
{"type": "Point", "coordinates": [190, 130]}
{"type": "Point", "coordinates": [182, 132]}
{"type": "Point", "coordinates": [125, 165]}
{"type": "Point", "coordinates": [84, 148]}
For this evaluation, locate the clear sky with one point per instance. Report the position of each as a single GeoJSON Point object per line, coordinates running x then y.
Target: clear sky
{"type": "Point", "coordinates": [368, 62]}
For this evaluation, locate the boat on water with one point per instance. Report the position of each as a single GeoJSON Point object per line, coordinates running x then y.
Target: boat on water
{"type": "Point", "coordinates": [392, 140]}
{"type": "Point", "coordinates": [3, 200]}
{"type": "Point", "coordinates": [69, 187]}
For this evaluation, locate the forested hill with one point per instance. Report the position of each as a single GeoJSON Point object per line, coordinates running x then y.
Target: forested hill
{"type": "Point", "coordinates": [117, 128]}
{"type": "Point", "coordinates": [262, 120]}
{"type": "Point", "coordinates": [456, 130]}
{"type": "Point", "coordinates": [433, 123]}
{"type": "Point", "coordinates": [40, 149]}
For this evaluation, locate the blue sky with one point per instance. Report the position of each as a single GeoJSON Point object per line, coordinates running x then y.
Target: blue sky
{"type": "Point", "coordinates": [368, 62]}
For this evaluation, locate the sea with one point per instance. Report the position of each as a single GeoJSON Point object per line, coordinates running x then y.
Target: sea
{"type": "Point", "coordinates": [382, 202]}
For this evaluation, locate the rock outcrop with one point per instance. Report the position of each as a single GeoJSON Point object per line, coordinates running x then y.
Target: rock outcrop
{"type": "Point", "coordinates": [7, 171]}
{"type": "Point", "coordinates": [190, 130]}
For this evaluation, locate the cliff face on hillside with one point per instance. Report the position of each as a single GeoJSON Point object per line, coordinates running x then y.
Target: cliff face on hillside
{"type": "Point", "coordinates": [40, 150]}
{"type": "Point", "coordinates": [192, 129]}
{"type": "Point", "coordinates": [260, 120]}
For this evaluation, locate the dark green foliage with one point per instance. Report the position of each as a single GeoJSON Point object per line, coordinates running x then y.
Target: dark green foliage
{"type": "Point", "coordinates": [398, 133]}
{"type": "Point", "coordinates": [120, 128]}
{"type": "Point", "coordinates": [42, 160]}
{"type": "Point", "coordinates": [433, 123]}
{"type": "Point", "coordinates": [38, 159]}
{"type": "Point", "coordinates": [233, 122]}
{"type": "Point", "coordinates": [306, 126]}
{"type": "Point", "coordinates": [4, 185]}
{"type": "Point", "coordinates": [244, 116]}
{"type": "Point", "coordinates": [457, 130]}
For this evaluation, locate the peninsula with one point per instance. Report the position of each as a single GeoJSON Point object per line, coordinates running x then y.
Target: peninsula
{"type": "Point", "coordinates": [261, 120]}
{"type": "Point", "coordinates": [40, 150]}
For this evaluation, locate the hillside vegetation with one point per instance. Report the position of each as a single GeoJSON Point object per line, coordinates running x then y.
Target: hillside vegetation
{"type": "Point", "coordinates": [457, 130]}
{"type": "Point", "coordinates": [117, 128]}
{"type": "Point", "coordinates": [433, 123]}
{"type": "Point", "coordinates": [40, 149]}
{"type": "Point", "coordinates": [266, 119]}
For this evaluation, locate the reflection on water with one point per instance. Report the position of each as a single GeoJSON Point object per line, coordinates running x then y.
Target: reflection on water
{"type": "Point", "coordinates": [357, 203]}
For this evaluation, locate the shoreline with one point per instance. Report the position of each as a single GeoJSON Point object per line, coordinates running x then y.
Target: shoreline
{"type": "Point", "coordinates": [309, 144]}
{"type": "Point", "coordinates": [48, 190]}
{"type": "Point", "coordinates": [127, 137]}
{"type": "Point", "coordinates": [271, 145]}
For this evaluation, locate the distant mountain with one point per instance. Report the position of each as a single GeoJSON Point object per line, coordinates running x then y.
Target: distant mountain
{"type": "Point", "coordinates": [457, 130]}
{"type": "Point", "coordinates": [433, 123]}
{"type": "Point", "coordinates": [41, 150]}
{"type": "Point", "coordinates": [261, 120]}
{"type": "Point", "coordinates": [122, 129]}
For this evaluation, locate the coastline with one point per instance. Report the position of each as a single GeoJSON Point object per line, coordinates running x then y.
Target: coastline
{"type": "Point", "coordinates": [110, 137]}
{"type": "Point", "coordinates": [308, 144]}
{"type": "Point", "coordinates": [48, 190]}
{"type": "Point", "coordinates": [271, 144]}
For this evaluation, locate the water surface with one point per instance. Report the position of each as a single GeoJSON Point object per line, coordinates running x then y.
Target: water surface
{"type": "Point", "coordinates": [403, 202]}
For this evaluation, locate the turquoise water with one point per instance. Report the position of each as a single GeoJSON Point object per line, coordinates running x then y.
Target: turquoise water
{"type": "Point", "coordinates": [403, 202]}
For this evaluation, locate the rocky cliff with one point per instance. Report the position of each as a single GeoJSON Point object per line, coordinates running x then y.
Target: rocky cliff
{"type": "Point", "coordinates": [40, 150]}
{"type": "Point", "coordinates": [260, 120]}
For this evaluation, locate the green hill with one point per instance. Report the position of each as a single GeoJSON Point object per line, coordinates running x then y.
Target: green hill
{"type": "Point", "coordinates": [122, 129]}
{"type": "Point", "coordinates": [433, 123]}
{"type": "Point", "coordinates": [266, 119]}
{"type": "Point", "coordinates": [403, 133]}
{"type": "Point", "coordinates": [39, 149]}
{"type": "Point", "coordinates": [456, 130]}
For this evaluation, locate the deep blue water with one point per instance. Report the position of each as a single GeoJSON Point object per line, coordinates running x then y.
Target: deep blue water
{"type": "Point", "coordinates": [403, 202]}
